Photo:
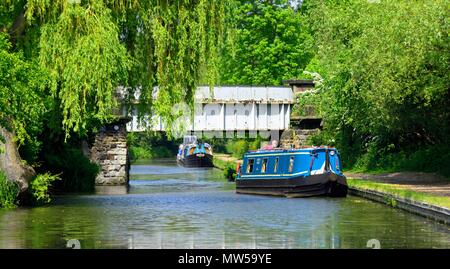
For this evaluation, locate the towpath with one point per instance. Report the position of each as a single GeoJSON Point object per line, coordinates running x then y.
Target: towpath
{"type": "Point", "coordinates": [416, 181]}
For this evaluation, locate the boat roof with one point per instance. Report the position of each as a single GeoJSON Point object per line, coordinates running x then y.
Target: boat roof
{"type": "Point", "coordinates": [283, 150]}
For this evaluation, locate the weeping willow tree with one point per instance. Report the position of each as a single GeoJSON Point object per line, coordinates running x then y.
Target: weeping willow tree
{"type": "Point", "coordinates": [90, 47]}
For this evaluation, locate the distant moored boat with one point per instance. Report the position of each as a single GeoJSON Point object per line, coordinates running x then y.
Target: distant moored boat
{"type": "Point", "coordinates": [193, 153]}
{"type": "Point", "coordinates": [292, 173]}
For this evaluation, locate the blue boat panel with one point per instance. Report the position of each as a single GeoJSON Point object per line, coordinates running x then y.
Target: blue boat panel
{"type": "Point", "coordinates": [317, 162]}
{"type": "Point", "coordinates": [289, 163]}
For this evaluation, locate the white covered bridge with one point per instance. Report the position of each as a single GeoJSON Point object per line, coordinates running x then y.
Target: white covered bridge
{"type": "Point", "coordinates": [231, 108]}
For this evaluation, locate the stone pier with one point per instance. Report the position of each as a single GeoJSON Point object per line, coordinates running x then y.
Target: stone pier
{"type": "Point", "coordinates": [296, 138]}
{"type": "Point", "coordinates": [110, 151]}
{"type": "Point", "coordinates": [304, 123]}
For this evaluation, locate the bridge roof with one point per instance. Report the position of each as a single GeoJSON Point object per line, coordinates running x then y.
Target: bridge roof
{"type": "Point", "coordinates": [244, 94]}
{"type": "Point", "coordinates": [232, 94]}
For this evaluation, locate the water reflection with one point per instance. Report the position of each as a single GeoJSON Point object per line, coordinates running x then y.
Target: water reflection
{"type": "Point", "coordinates": [111, 190]}
{"type": "Point", "coordinates": [173, 207]}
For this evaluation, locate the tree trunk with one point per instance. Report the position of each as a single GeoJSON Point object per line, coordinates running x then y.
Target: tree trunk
{"type": "Point", "coordinates": [17, 28]}
{"type": "Point", "coordinates": [13, 166]}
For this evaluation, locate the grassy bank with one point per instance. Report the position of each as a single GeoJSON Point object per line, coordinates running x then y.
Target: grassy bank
{"type": "Point", "coordinates": [227, 163]}
{"type": "Point", "coordinates": [399, 191]}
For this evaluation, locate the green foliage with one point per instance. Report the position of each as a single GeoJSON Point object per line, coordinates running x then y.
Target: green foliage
{"type": "Point", "coordinates": [22, 94]}
{"type": "Point", "coordinates": [391, 201]}
{"type": "Point", "coordinates": [271, 43]}
{"type": "Point", "coordinates": [385, 69]}
{"type": "Point", "coordinates": [163, 152]}
{"type": "Point", "coordinates": [306, 104]}
{"type": "Point", "coordinates": [151, 152]}
{"type": "Point", "coordinates": [255, 144]}
{"type": "Point", "coordinates": [230, 172]}
{"type": "Point", "coordinates": [77, 172]}
{"type": "Point", "coordinates": [237, 148]}
{"type": "Point", "coordinates": [40, 186]}
{"type": "Point", "coordinates": [137, 153]}
{"type": "Point", "coordinates": [150, 145]}
{"type": "Point", "coordinates": [8, 192]}
{"type": "Point", "coordinates": [83, 37]}
{"type": "Point", "coordinates": [427, 159]}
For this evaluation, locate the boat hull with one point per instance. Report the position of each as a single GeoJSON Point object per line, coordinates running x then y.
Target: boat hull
{"type": "Point", "coordinates": [197, 160]}
{"type": "Point", "coordinates": [328, 184]}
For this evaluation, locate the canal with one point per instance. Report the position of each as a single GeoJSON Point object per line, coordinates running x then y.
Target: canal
{"type": "Point", "coordinates": [167, 206]}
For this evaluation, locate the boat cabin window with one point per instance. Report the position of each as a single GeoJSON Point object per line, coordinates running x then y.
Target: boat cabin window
{"type": "Point", "coordinates": [250, 166]}
{"type": "Point", "coordinates": [275, 166]}
{"type": "Point", "coordinates": [189, 139]}
{"type": "Point", "coordinates": [291, 164]}
{"type": "Point", "coordinates": [264, 166]}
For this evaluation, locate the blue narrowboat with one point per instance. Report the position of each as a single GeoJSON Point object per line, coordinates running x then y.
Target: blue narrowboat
{"type": "Point", "coordinates": [193, 153]}
{"type": "Point", "coordinates": [292, 173]}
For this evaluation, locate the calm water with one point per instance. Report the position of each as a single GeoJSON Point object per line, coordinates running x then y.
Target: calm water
{"type": "Point", "coordinates": [172, 207]}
